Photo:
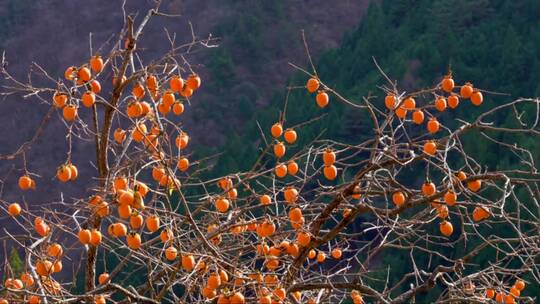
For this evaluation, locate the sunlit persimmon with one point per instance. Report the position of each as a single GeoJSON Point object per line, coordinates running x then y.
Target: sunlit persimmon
{"type": "Point", "coordinates": [390, 101]}
{"type": "Point", "coordinates": [428, 188]}
{"type": "Point", "coordinates": [446, 228]}
{"type": "Point", "coordinates": [480, 213]}
{"type": "Point", "coordinates": [95, 237]}
{"type": "Point", "coordinates": [330, 172]}
{"type": "Point", "coordinates": [55, 250]}
{"type": "Point", "coordinates": [290, 194]}
{"type": "Point", "coordinates": [430, 148]}
{"type": "Point", "coordinates": [336, 253]}
{"type": "Point", "coordinates": [409, 103]}
{"type": "Point", "coordinates": [84, 236]}
{"type": "Point", "coordinates": [477, 98]}
{"type": "Point", "coordinates": [312, 85]}
{"type": "Point", "coordinates": [433, 125]}
{"type": "Point", "coordinates": [453, 101]}
{"type": "Point", "coordinates": [193, 82]}
{"type": "Point", "coordinates": [329, 157]}
{"type": "Point", "coordinates": [292, 168]}
{"type": "Point", "coordinates": [265, 199]}
{"type": "Point", "coordinates": [401, 112]}
{"type": "Point", "coordinates": [466, 90]}
{"type": "Point", "coordinates": [14, 209]}
{"type": "Point", "coordinates": [178, 108]}
{"type": "Point", "coordinates": [69, 112]}
{"type": "Point", "coordinates": [474, 185]}
{"type": "Point", "coordinates": [188, 262]}
{"type": "Point", "coordinates": [322, 99]}
{"type": "Point", "coordinates": [96, 64]}
{"type": "Point", "coordinates": [279, 149]}
{"type": "Point", "coordinates": [60, 99]}
{"type": "Point", "coordinates": [222, 205]}
{"type": "Point", "coordinates": [290, 136]}
{"type": "Point", "coordinates": [176, 83]}
{"type": "Point", "coordinates": [152, 223]}
{"type": "Point", "coordinates": [440, 104]}
{"type": "Point", "coordinates": [398, 198]}
{"type": "Point", "coordinates": [280, 170]}
{"type": "Point", "coordinates": [447, 84]}
{"type": "Point", "coordinates": [134, 241]}
{"type": "Point", "coordinates": [276, 130]}
{"type": "Point", "coordinates": [418, 117]}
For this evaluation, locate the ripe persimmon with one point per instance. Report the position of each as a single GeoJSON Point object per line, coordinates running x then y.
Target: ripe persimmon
{"type": "Point", "coordinates": [136, 221]}
{"type": "Point", "coordinates": [401, 112]}
{"type": "Point", "coordinates": [290, 194]}
{"type": "Point", "coordinates": [176, 83]}
{"type": "Point", "coordinates": [55, 250]}
{"type": "Point", "coordinates": [336, 253]}
{"type": "Point", "coordinates": [14, 209]}
{"type": "Point", "coordinates": [447, 84]}
{"type": "Point", "coordinates": [138, 90]}
{"type": "Point", "coordinates": [44, 268]}
{"type": "Point", "coordinates": [398, 198]}
{"type": "Point", "coordinates": [63, 173]}
{"type": "Point", "coordinates": [280, 170]}
{"type": "Point", "coordinates": [453, 101]}
{"type": "Point", "coordinates": [193, 82]}
{"type": "Point", "coordinates": [60, 99]}
{"type": "Point", "coordinates": [265, 199]}
{"type": "Point", "coordinates": [152, 223]}
{"type": "Point", "coordinates": [88, 99]}
{"type": "Point", "coordinates": [322, 99]}
{"type": "Point", "coordinates": [290, 136]}
{"type": "Point", "coordinates": [95, 86]}
{"type": "Point", "coordinates": [69, 73]}
{"type": "Point", "coordinates": [119, 135]}
{"type": "Point", "coordinates": [183, 164]}
{"type": "Point", "coordinates": [450, 198]}
{"type": "Point", "coordinates": [134, 109]}
{"type": "Point", "coordinates": [430, 148]}
{"type": "Point", "coordinates": [182, 140]}
{"type": "Point", "coordinates": [433, 125]}
{"type": "Point", "coordinates": [418, 117]}
{"type": "Point", "coordinates": [168, 99]}
{"type": "Point", "coordinates": [222, 205]}
{"type": "Point", "coordinates": [84, 236]}
{"type": "Point", "coordinates": [279, 150]}
{"type": "Point", "coordinates": [330, 172]}
{"type": "Point", "coordinates": [96, 64]}
{"type": "Point", "coordinates": [303, 238]}
{"type": "Point", "coordinates": [480, 213]}
{"type": "Point", "coordinates": [292, 168]}
{"type": "Point", "coordinates": [329, 157]}
{"type": "Point", "coordinates": [390, 101]}
{"type": "Point", "coordinates": [26, 182]}
{"type": "Point", "coordinates": [312, 85]}
{"type": "Point", "coordinates": [477, 98]}
{"type": "Point", "coordinates": [103, 278]}
{"type": "Point", "coordinates": [178, 108]}
{"type": "Point", "coordinates": [95, 237]}
{"type": "Point", "coordinates": [440, 104]}
{"type": "Point", "coordinates": [409, 103]}
{"type": "Point", "coordinates": [276, 130]}
{"type": "Point", "coordinates": [171, 253]}
{"type": "Point", "coordinates": [466, 90]}
{"type": "Point", "coordinates": [428, 188]}
{"type": "Point", "coordinates": [474, 185]}
{"type": "Point", "coordinates": [446, 228]}
{"type": "Point", "coordinates": [188, 262]}
{"type": "Point", "coordinates": [69, 112]}
{"type": "Point", "coordinates": [134, 241]}
{"type": "Point", "coordinates": [321, 257]}
{"type": "Point", "coordinates": [84, 74]}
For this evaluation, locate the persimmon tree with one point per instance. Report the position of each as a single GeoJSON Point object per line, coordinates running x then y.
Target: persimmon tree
{"type": "Point", "coordinates": [299, 227]}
